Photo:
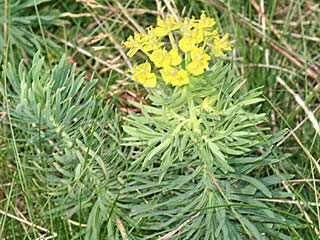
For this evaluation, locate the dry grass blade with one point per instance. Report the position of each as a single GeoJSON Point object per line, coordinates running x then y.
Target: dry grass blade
{"type": "Point", "coordinates": [306, 151]}
{"type": "Point", "coordinates": [76, 15]}
{"type": "Point", "coordinates": [273, 29]}
{"type": "Point", "coordinates": [303, 180]}
{"type": "Point", "coordinates": [292, 59]}
{"type": "Point", "coordinates": [299, 205]}
{"type": "Point", "coordinates": [309, 98]}
{"type": "Point", "coordinates": [300, 63]}
{"type": "Point", "coordinates": [170, 234]}
{"type": "Point", "coordinates": [114, 42]}
{"type": "Point", "coordinates": [86, 53]}
{"type": "Point", "coordinates": [159, 9]}
{"type": "Point", "coordinates": [121, 229]}
{"type": "Point", "coordinates": [125, 12]}
{"type": "Point", "coordinates": [173, 11]}
{"type": "Point", "coordinates": [75, 223]}
{"type": "Point", "coordinates": [276, 67]}
{"type": "Point", "coordinates": [299, 100]}
{"type": "Point", "coordinates": [5, 31]}
{"type": "Point", "coordinates": [296, 35]}
{"type": "Point", "coordinates": [309, 71]}
{"type": "Point", "coordinates": [290, 202]}
{"type": "Point", "coordinates": [296, 128]}
{"type": "Point", "coordinates": [27, 223]}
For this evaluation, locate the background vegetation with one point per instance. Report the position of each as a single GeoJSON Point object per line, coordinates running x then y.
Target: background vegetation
{"type": "Point", "coordinates": [61, 123]}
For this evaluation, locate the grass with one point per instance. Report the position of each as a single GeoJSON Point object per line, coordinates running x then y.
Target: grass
{"type": "Point", "coordinates": [276, 46]}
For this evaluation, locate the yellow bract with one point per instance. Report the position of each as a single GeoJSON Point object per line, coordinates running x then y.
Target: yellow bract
{"type": "Point", "coordinates": [162, 58]}
{"type": "Point", "coordinates": [175, 59]}
{"type": "Point", "coordinates": [145, 42]}
{"type": "Point", "coordinates": [190, 39]}
{"type": "Point", "coordinates": [195, 35]}
{"type": "Point", "coordinates": [198, 54]}
{"type": "Point", "coordinates": [166, 26]}
{"type": "Point", "coordinates": [186, 45]}
{"type": "Point", "coordinates": [150, 42]}
{"type": "Point", "coordinates": [134, 43]}
{"type": "Point", "coordinates": [159, 58]}
{"type": "Point", "coordinates": [181, 78]}
{"type": "Point", "coordinates": [196, 68]}
{"type": "Point", "coordinates": [220, 45]}
{"type": "Point", "coordinates": [200, 60]}
{"type": "Point", "coordinates": [206, 104]}
{"type": "Point", "coordinates": [142, 73]}
{"type": "Point", "coordinates": [174, 76]}
{"type": "Point", "coordinates": [205, 22]}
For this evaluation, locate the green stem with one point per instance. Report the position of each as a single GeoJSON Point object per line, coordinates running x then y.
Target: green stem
{"type": "Point", "coordinates": [193, 116]}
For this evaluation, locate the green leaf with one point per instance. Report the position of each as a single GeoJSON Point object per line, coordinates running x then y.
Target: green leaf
{"type": "Point", "coordinates": [163, 145]}
{"type": "Point", "coordinates": [220, 157]}
{"type": "Point", "coordinates": [251, 227]}
{"type": "Point", "coordinates": [258, 184]}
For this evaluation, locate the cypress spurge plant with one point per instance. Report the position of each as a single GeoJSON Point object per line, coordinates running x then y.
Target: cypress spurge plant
{"type": "Point", "coordinates": [67, 142]}
{"type": "Point", "coordinates": [200, 147]}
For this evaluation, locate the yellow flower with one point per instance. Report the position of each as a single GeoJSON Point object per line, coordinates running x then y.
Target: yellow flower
{"type": "Point", "coordinates": [162, 58]}
{"type": "Point", "coordinates": [196, 34]}
{"type": "Point", "coordinates": [191, 23]}
{"type": "Point", "coordinates": [199, 61]}
{"type": "Point", "coordinates": [190, 38]}
{"type": "Point", "coordinates": [186, 45]}
{"type": "Point", "coordinates": [134, 43]}
{"type": "Point", "coordinates": [159, 58]}
{"type": "Point", "coordinates": [145, 42]}
{"type": "Point", "coordinates": [164, 27]}
{"type": "Point", "coordinates": [168, 73]}
{"type": "Point", "coordinates": [198, 54]}
{"type": "Point", "coordinates": [175, 59]}
{"type": "Point", "coordinates": [195, 31]}
{"type": "Point", "coordinates": [181, 78]}
{"type": "Point", "coordinates": [205, 22]}
{"type": "Point", "coordinates": [206, 104]}
{"type": "Point", "coordinates": [197, 68]}
{"type": "Point", "coordinates": [142, 74]}
{"type": "Point", "coordinates": [174, 76]}
{"type": "Point", "coordinates": [220, 45]}
{"type": "Point", "coordinates": [150, 80]}
{"type": "Point", "coordinates": [209, 35]}
{"type": "Point", "coordinates": [150, 41]}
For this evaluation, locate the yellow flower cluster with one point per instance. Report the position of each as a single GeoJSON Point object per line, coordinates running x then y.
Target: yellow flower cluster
{"type": "Point", "coordinates": [195, 36]}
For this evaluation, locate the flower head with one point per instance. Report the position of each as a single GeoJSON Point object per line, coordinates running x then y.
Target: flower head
{"type": "Point", "coordinates": [220, 45]}
{"type": "Point", "coordinates": [197, 68]}
{"type": "Point", "coordinates": [207, 103]}
{"type": "Point", "coordinates": [190, 38]}
{"type": "Point", "coordinates": [199, 55]}
{"type": "Point", "coordinates": [145, 42]}
{"type": "Point", "coordinates": [200, 61]}
{"type": "Point", "coordinates": [174, 76]}
{"type": "Point", "coordinates": [162, 58]}
{"type": "Point", "coordinates": [205, 22]}
{"type": "Point", "coordinates": [186, 44]}
{"type": "Point", "coordinates": [142, 74]}
{"type": "Point", "coordinates": [164, 27]}
{"type": "Point", "coordinates": [150, 41]}
{"type": "Point", "coordinates": [134, 43]}
{"type": "Point", "coordinates": [195, 35]}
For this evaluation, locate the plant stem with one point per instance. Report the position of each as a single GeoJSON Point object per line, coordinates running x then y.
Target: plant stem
{"type": "Point", "coordinates": [193, 116]}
